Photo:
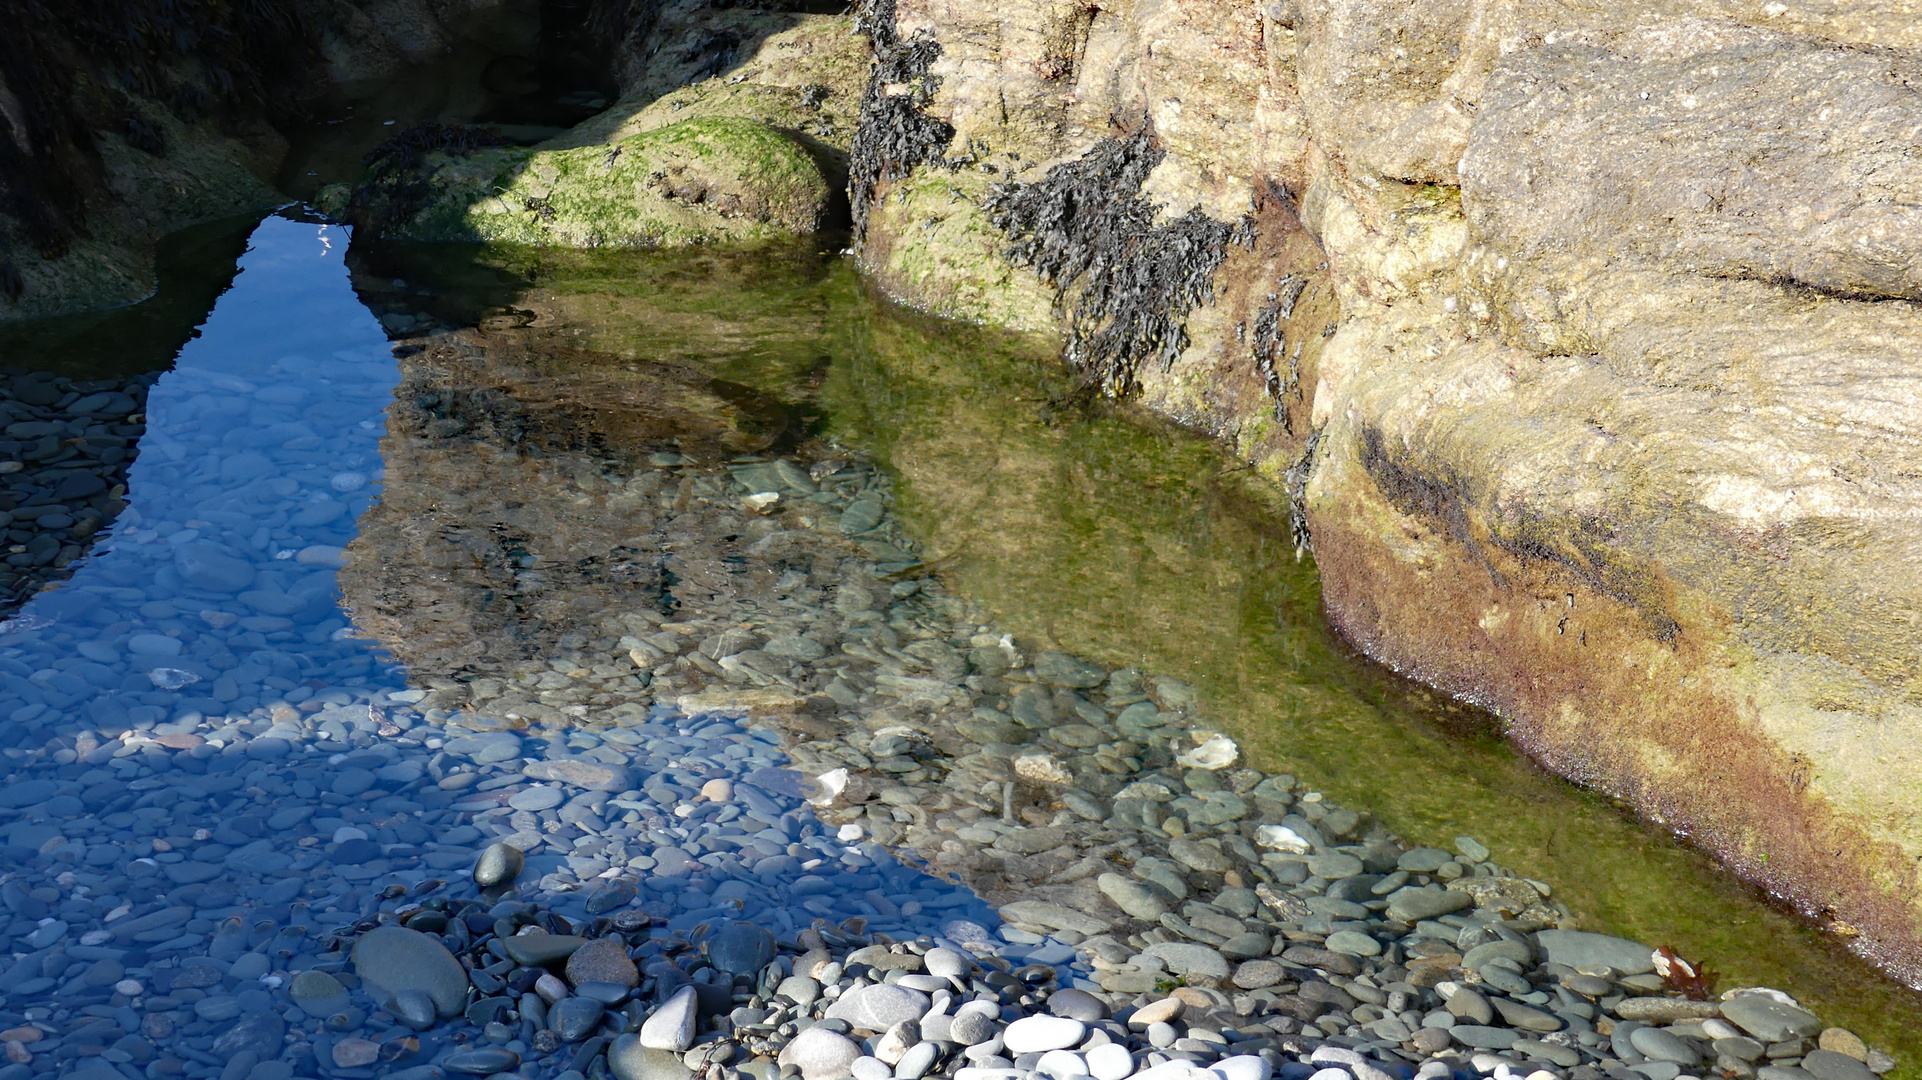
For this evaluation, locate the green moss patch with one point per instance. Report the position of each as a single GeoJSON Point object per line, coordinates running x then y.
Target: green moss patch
{"type": "Point", "coordinates": [698, 181]}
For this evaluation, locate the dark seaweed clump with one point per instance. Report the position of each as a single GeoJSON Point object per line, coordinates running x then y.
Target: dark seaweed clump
{"type": "Point", "coordinates": [1269, 341]}
{"type": "Point", "coordinates": [1297, 483]}
{"type": "Point", "coordinates": [894, 134]}
{"type": "Point", "coordinates": [76, 68]}
{"type": "Point", "coordinates": [396, 186]}
{"type": "Point", "coordinates": [1086, 229]}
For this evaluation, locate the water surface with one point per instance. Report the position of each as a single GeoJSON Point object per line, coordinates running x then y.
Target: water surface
{"type": "Point", "coordinates": [1100, 531]}
{"type": "Point", "coordinates": [1119, 536]}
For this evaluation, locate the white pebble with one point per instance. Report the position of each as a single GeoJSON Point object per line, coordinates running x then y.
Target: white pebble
{"type": "Point", "coordinates": [849, 833]}
{"type": "Point", "coordinates": [1111, 1061]}
{"type": "Point", "coordinates": [1243, 1067]}
{"type": "Point", "coordinates": [346, 833]}
{"type": "Point", "coordinates": [1039, 1034]}
{"type": "Point", "coordinates": [129, 988]}
{"type": "Point", "coordinates": [1061, 1065]}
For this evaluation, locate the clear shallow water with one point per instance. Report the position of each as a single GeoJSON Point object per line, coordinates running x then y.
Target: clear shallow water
{"type": "Point", "coordinates": [215, 591]}
{"type": "Point", "coordinates": [1105, 533]}
{"type": "Point", "coordinates": [211, 780]}
{"type": "Point", "coordinates": [1123, 538]}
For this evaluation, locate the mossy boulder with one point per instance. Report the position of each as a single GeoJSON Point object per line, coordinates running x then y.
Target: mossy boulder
{"type": "Point", "coordinates": [701, 180]}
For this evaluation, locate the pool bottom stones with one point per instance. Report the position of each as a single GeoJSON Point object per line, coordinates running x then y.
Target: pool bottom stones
{"type": "Point", "coordinates": [701, 770]}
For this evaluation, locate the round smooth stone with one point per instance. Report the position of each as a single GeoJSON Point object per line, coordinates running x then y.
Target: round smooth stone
{"type": "Point", "coordinates": [1663, 1045]}
{"type": "Point", "coordinates": [607, 993]}
{"type": "Point", "coordinates": [1040, 1034]}
{"type": "Point", "coordinates": [351, 782]}
{"type": "Point", "coordinates": [575, 1018]}
{"type": "Point", "coordinates": [248, 967]}
{"type": "Point", "coordinates": [1243, 1067]}
{"type": "Point", "coordinates": [603, 960]}
{"type": "Point", "coordinates": [671, 1027]}
{"type": "Point", "coordinates": [1061, 1065]}
{"type": "Point", "coordinates": [483, 1061]}
{"type": "Point", "coordinates": [353, 1053]}
{"type": "Point", "coordinates": [1354, 943]}
{"type": "Point", "coordinates": [971, 1028]}
{"type": "Point", "coordinates": [318, 994]}
{"type": "Point", "coordinates": [537, 798]}
{"type": "Point", "coordinates": [870, 1068]}
{"type": "Point", "coordinates": [393, 958]}
{"type": "Point", "coordinates": [718, 790]}
{"type": "Point", "coordinates": [740, 948]}
{"type": "Point", "coordinates": [946, 963]}
{"type": "Point", "coordinates": [1077, 1005]}
{"type": "Point", "coordinates": [1257, 974]}
{"type": "Point", "coordinates": [414, 1008]}
{"type": "Point", "coordinates": [1110, 1061]}
{"type": "Point", "coordinates": [627, 1059]}
{"type": "Point", "coordinates": [799, 989]}
{"type": "Point", "coordinates": [820, 1054]}
{"type": "Point", "coordinates": [917, 1061]}
{"type": "Point", "coordinates": [1334, 866]}
{"type": "Point", "coordinates": [499, 864]}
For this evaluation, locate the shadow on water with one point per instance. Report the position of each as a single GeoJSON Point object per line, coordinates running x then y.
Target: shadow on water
{"type": "Point", "coordinates": [194, 267]}
{"type": "Point", "coordinates": [210, 783]}
{"type": "Point", "coordinates": [1119, 536]}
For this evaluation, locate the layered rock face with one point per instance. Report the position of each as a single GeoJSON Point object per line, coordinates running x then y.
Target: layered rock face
{"type": "Point", "coordinates": [1603, 320]}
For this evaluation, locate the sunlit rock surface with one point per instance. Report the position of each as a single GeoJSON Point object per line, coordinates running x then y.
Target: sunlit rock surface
{"type": "Point", "coordinates": [1617, 432]}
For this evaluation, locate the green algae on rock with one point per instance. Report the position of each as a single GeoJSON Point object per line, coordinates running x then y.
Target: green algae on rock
{"type": "Point", "coordinates": [701, 180]}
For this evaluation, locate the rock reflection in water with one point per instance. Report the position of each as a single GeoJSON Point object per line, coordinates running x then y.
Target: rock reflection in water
{"type": "Point", "coordinates": [536, 518]}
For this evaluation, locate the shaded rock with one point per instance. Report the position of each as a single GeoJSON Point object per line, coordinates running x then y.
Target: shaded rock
{"type": "Point", "coordinates": [390, 959]}
{"type": "Point", "coordinates": [602, 960]}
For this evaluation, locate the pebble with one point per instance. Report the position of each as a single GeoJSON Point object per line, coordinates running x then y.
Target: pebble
{"type": "Point", "coordinates": [671, 1026]}
{"type": "Point", "coordinates": [1768, 1019]}
{"type": "Point", "coordinates": [1110, 1061]}
{"type": "Point", "coordinates": [627, 1059]}
{"type": "Point", "coordinates": [391, 959]}
{"type": "Point", "coordinates": [499, 864]}
{"type": "Point", "coordinates": [820, 1054]}
{"type": "Point", "coordinates": [1039, 1034]}
{"type": "Point", "coordinates": [971, 1028]}
{"type": "Point", "coordinates": [740, 948]}
{"type": "Point", "coordinates": [603, 960]}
